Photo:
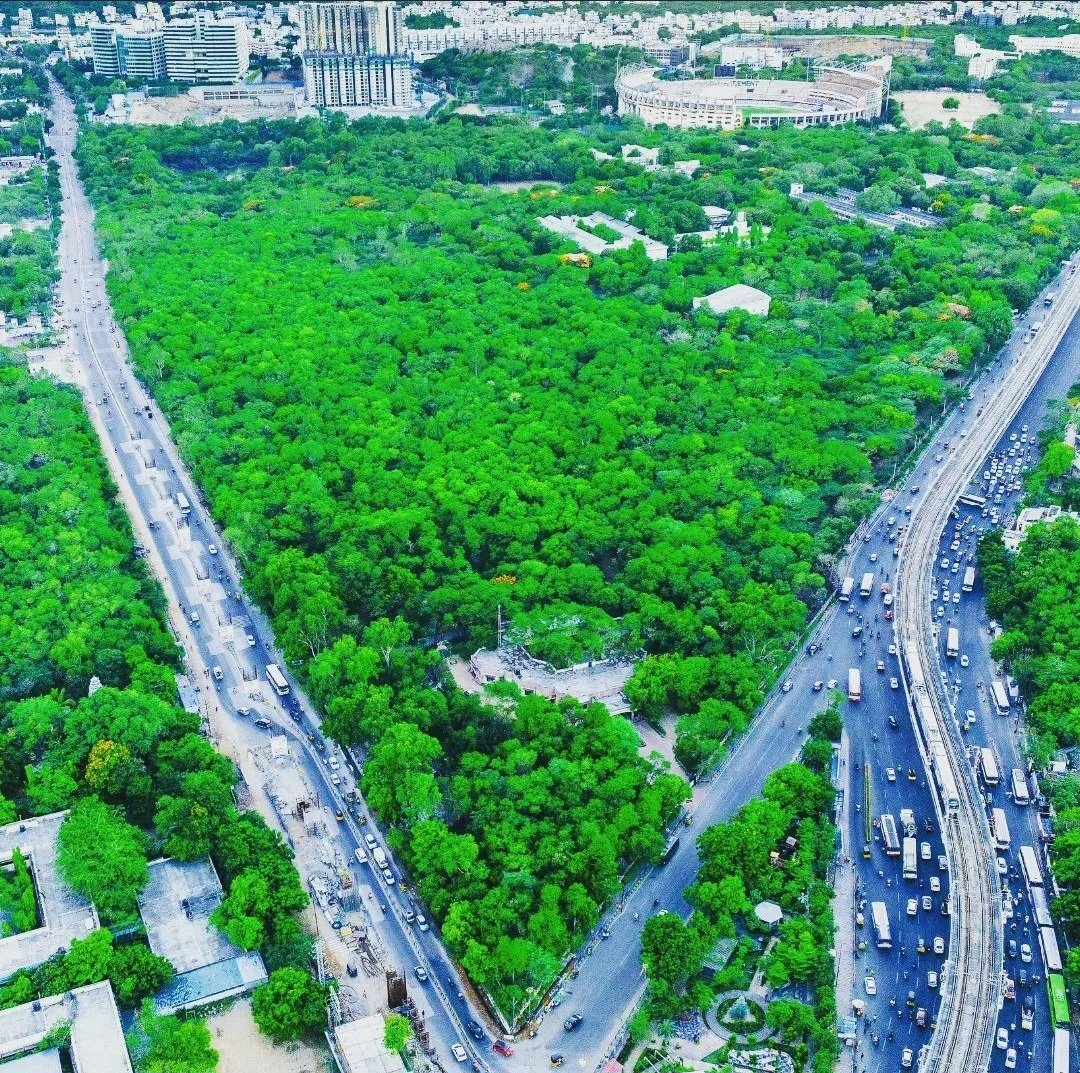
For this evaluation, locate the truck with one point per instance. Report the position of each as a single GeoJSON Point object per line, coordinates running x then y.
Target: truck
{"type": "Point", "coordinates": [182, 504]}
{"type": "Point", "coordinates": [969, 579]}
{"type": "Point", "coordinates": [380, 856]}
{"type": "Point", "coordinates": [1048, 301]}
{"type": "Point", "coordinates": [907, 822]}
{"type": "Point", "coordinates": [866, 586]}
{"type": "Point", "coordinates": [846, 589]}
{"type": "Point", "coordinates": [854, 685]}
{"type": "Point", "coordinates": [952, 643]}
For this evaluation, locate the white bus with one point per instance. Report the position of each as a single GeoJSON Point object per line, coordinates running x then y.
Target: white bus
{"type": "Point", "coordinates": [1020, 786]}
{"type": "Point", "coordinates": [183, 504]}
{"type": "Point", "coordinates": [911, 859]}
{"type": "Point", "coordinates": [867, 585]}
{"type": "Point", "coordinates": [880, 915]}
{"type": "Point", "coordinates": [277, 680]}
{"type": "Point", "coordinates": [889, 836]}
{"type": "Point", "coordinates": [1061, 1051]}
{"type": "Point", "coordinates": [1001, 698]}
{"type": "Point", "coordinates": [846, 589]}
{"type": "Point", "coordinates": [969, 579]}
{"type": "Point", "coordinates": [1000, 826]}
{"type": "Point", "coordinates": [1029, 861]}
{"type": "Point", "coordinates": [991, 776]}
{"type": "Point", "coordinates": [1050, 952]}
{"type": "Point", "coordinates": [1040, 909]}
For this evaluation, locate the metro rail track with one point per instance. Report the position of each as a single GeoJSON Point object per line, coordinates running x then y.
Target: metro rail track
{"type": "Point", "coordinates": [971, 992]}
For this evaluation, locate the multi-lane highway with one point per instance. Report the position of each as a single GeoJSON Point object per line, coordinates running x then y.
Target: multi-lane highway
{"type": "Point", "coordinates": [234, 637]}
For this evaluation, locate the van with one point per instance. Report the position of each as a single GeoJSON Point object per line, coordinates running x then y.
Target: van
{"type": "Point", "coordinates": [380, 856]}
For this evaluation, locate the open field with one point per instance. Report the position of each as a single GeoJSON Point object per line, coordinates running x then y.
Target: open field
{"type": "Point", "coordinates": [922, 106]}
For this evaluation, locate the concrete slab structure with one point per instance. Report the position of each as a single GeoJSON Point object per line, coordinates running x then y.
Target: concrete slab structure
{"type": "Point", "coordinates": [358, 1046]}
{"type": "Point", "coordinates": [176, 904]}
{"type": "Point", "coordinates": [97, 1040]}
{"type": "Point", "coordinates": [64, 914]}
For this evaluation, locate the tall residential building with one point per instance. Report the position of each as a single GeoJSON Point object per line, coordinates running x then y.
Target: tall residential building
{"type": "Point", "coordinates": [205, 49]}
{"type": "Point", "coordinates": [351, 54]}
{"type": "Point", "coordinates": [131, 51]}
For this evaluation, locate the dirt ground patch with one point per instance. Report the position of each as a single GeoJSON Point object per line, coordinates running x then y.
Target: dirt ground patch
{"type": "Point", "coordinates": [244, 1048]}
{"type": "Point", "coordinates": [921, 106]}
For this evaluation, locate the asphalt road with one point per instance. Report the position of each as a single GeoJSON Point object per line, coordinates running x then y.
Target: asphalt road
{"type": "Point", "coordinates": [230, 634]}
{"type": "Point", "coordinates": [609, 973]}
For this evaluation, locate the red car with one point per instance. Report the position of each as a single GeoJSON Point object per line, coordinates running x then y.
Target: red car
{"type": "Point", "coordinates": [500, 1046]}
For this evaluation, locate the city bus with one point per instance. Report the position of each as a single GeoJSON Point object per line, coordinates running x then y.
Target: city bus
{"type": "Point", "coordinates": [1059, 1001]}
{"type": "Point", "coordinates": [277, 680]}
{"type": "Point", "coordinates": [1020, 786]}
{"type": "Point", "coordinates": [1001, 698]}
{"type": "Point", "coordinates": [1061, 1051]}
{"type": "Point", "coordinates": [1000, 827]}
{"type": "Point", "coordinates": [969, 499]}
{"type": "Point", "coordinates": [911, 859]}
{"type": "Point", "coordinates": [989, 768]}
{"type": "Point", "coordinates": [183, 504]}
{"type": "Point", "coordinates": [1050, 952]}
{"type": "Point", "coordinates": [889, 836]}
{"type": "Point", "coordinates": [846, 589]}
{"type": "Point", "coordinates": [880, 917]}
{"type": "Point", "coordinates": [854, 685]}
{"type": "Point", "coordinates": [1029, 862]}
{"type": "Point", "coordinates": [1040, 908]}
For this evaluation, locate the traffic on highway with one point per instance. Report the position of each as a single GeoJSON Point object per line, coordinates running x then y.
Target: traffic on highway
{"type": "Point", "coordinates": [901, 920]}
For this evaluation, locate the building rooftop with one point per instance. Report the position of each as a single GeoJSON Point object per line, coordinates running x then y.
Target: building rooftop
{"type": "Point", "coordinates": [97, 1040]}
{"type": "Point", "coordinates": [738, 296]}
{"type": "Point", "coordinates": [360, 1046]}
{"type": "Point", "coordinates": [176, 904]}
{"type": "Point", "coordinates": [64, 915]}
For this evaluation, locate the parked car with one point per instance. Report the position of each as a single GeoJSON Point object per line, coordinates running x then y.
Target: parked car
{"type": "Point", "coordinates": [458, 1052]}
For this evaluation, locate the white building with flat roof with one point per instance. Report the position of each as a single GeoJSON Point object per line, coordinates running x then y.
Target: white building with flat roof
{"type": "Point", "coordinates": [352, 55]}
{"type": "Point", "coordinates": [135, 50]}
{"type": "Point", "coordinates": [205, 49]}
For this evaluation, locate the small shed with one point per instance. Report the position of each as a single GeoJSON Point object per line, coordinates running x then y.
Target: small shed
{"type": "Point", "coordinates": [769, 913]}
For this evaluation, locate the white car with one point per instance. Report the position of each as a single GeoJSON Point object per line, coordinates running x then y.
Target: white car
{"type": "Point", "coordinates": [212, 548]}
{"type": "Point", "coordinates": [459, 1053]}
{"type": "Point", "coordinates": [939, 945]}
{"type": "Point", "coordinates": [388, 876]}
{"type": "Point", "coordinates": [1025, 953]}
{"type": "Point", "coordinates": [1010, 1058]}
{"type": "Point", "coordinates": [873, 556]}
{"type": "Point", "coordinates": [912, 907]}
{"type": "Point", "coordinates": [421, 922]}
{"type": "Point", "coordinates": [935, 885]}
{"type": "Point", "coordinates": [787, 687]}
{"type": "Point", "coordinates": [871, 985]}
{"type": "Point", "coordinates": [955, 595]}
{"type": "Point", "coordinates": [907, 1056]}
{"type": "Point", "coordinates": [890, 774]}
{"type": "Point", "coordinates": [370, 840]}
{"type": "Point", "coordinates": [927, 903]}
{"type": "Point", "coordinates": [892, 650]}
{"type": "Point", "coordinates": [964, 661]}
{"type": "Point", "coordinates": [1002, 867]}
{"type": "Point", "coordinates": [925, 851]}
{"type": "Point", "coordinates": [1002, 1038]}
{"type": "Point", "coordinates": [931, 979]}
{"type": "Point", "coordinates": [894, 683]}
